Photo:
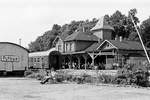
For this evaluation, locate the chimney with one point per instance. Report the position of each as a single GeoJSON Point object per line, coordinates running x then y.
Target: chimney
{"type": "Point", "coordinates": [120, 38]}
{"type": "Point", "coordinates": [20, 41]}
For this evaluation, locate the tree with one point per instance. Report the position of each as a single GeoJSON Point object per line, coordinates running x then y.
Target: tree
{"type": "Point", "coordinates": [45, 41]}
{"type": "Point", "coordinates": [123, 24]}
{"type": "Point", "coordinates": [145, 30]}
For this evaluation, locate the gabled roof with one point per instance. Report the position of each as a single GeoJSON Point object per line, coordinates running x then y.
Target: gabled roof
{"type": "Point", "coordinates": [102, 24]}
{"type": "Point", "coordinates": [64, 35]}
{"type": "Point", "coordinates": [125, 44]}
{"type": "Point", "coordinates": [81, 36]}
{"type": "Point", "coordinates": [42, 53]}
{"type": "Point", "coordinates": [93, 47]}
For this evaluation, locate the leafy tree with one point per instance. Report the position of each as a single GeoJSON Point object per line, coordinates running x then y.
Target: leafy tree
{"type": "Point", "coordinates": [123, 24]}
{"type": "Point", "coordinates": [44, 42]}
{"type": "Point", "coordinates": [145, 30]}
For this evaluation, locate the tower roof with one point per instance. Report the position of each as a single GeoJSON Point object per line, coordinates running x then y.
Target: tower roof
{"type": "Point", "coordinates": [102, 24]}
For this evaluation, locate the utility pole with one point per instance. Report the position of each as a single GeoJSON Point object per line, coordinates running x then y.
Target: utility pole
{"type": "Point", "coordinates": [140, 38]}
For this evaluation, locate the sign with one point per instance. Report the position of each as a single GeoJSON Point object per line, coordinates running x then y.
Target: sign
{"type": "Point", "coordinates": [9, 58]}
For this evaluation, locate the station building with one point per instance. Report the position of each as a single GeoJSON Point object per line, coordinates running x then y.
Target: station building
{"type": "Point", "coordinates": [97, 48]}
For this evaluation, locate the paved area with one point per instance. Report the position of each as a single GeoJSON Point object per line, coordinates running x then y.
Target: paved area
{"type": "Point", "coordinates": [29, 89]}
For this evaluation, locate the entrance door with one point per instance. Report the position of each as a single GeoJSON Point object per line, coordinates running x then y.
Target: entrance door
{"type": "Point", "coordinates": [55, 61]}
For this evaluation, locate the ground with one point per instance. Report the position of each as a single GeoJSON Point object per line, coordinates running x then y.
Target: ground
{"type": "Point", "coordinates": [30, 89]}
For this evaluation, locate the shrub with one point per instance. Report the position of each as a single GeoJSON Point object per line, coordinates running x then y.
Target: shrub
{"type": "Point", "coordinates": [132, 74]}
{"type": "Point", "coordinates": [106, 78]}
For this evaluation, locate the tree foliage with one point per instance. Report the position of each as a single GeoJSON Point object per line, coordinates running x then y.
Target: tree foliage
{"type": "Point", "coordinates": [123, 24]}
{"type": "Point", "coordinates": [145, 30]}
{"type": "Point", "coordinates": [44, 42]}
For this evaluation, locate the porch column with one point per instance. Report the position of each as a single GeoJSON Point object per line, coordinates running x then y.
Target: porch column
{"type": "Point", "coordinates": [70, 59]}
{"type": "Point", "coordinates": [85, 59]}
{"type": "Point", "coordinates": [92, 56]}
{"type": "Point", "coordinates": [79, 62]}
{"type": "Point", "coordinates": [64, 61]}
{"type": "Point", "coordinates": [106, 59]}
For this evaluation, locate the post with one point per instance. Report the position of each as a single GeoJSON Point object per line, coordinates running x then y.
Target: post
{"type": "Point", "coordinates": [70, 63]}
{"type": "Point", "coordinates": [106, 60]}
{"type": "Point", "coordinates": [93, 61]}
{"type": "Point", "coordinates": [78, 61]}
{"type": "Point", "coordinates": [85, 61]}
{"type": "Point", "coordinates": [92, 56]}
{"type": "Point", "coordinates": [140, 39]}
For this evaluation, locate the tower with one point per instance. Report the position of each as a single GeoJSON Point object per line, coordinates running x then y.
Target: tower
{"type": "Point", "coordinates": [102, 29]}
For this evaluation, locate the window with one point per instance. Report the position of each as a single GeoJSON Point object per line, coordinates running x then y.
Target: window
{"type": "Point", "coordinates": [59, 47]}
{"type": "Point", "coordinates": [34, 59]}
{"type": "Point", "coordinates": [66, 46]}
{"type": "Point", "coordinates": [42, 59]}
{"type": "Point", "coordinates": [38, 59]}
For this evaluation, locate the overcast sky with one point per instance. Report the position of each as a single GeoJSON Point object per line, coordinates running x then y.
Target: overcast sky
{"type": "Point", "coordinates": [28, 19]}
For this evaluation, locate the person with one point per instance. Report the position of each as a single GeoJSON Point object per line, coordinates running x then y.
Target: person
{"type": "Point", "coordinates": [51, 75]}
{"type": "Point", "coordinates": [46, 78]}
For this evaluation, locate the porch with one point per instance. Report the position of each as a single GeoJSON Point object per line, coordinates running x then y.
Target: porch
{"type": "Point", "coordinates": [91, 60]}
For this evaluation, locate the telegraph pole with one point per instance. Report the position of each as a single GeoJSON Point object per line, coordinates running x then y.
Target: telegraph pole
{"type": "Point", "coordinates": [140, 37]}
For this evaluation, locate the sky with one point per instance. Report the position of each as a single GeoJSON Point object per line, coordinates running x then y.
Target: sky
{"type": "Point", "coordinates": [28, 19]}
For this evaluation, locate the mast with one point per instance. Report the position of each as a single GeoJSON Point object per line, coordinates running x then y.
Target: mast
{"type": "Point", "coordinates": [140, 38]}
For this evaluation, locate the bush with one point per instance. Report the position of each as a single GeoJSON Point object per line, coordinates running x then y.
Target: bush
{"type": "Point", "coordinates": [131, 74]}
{"type": "Point", "coordinates": [106, 78]}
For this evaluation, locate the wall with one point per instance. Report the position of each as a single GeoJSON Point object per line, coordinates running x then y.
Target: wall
{"type": "Point", "coordinates": [70, 46]}
{"type": "Point", "coordinates": [61, 44]}
{"type": "Point", "coordinates": [103, 34]}
{"type": "Point", "coordinates": [10, 52]}
{"type": "Point", "coordinates": [107, 34]}
{"type": "Point", "coordinates": [42, 63]}
{"type": "Point", "coordinates": [73, 46]}
{"type": "Point", "coordinates": [99, 34]}
{"type": "Point", "coordinates": [136, 60]}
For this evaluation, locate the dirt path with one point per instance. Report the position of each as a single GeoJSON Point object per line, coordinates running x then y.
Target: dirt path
{"type": "Point", "coordinates": [29, 89]}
